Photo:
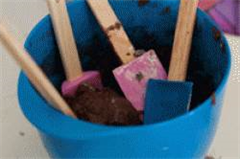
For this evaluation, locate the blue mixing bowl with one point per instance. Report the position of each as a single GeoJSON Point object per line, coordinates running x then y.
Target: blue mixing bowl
{"type": "Point", "coordinates": [148, 25]}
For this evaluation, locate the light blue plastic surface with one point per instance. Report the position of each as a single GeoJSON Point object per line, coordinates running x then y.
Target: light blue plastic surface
{"type": "Point", "coordinates": [187, 136]}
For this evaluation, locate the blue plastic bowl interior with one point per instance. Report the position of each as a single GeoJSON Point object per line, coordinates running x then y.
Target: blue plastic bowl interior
{"type": "Point", "coordinates": [195, 129]}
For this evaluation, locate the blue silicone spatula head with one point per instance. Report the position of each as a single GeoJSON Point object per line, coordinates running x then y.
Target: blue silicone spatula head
{"type": "Point", "coordinates": [168, 99]}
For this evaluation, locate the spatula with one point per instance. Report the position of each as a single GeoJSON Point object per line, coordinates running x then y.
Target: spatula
{"type": "Point", "coordinates": [34, 73]}
{"type": "Point", "coordinates": [68, 50]}
{"type": "Point", "coordinates": [135, 72]}
{"type": "Point", "coordinates": [168, 99]}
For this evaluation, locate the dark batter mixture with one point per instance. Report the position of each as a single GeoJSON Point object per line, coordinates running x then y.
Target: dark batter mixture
{"type": "Point", "coordinates": [103, 106]}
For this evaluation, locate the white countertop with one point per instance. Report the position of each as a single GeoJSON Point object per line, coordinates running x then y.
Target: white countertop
{"type": "Point", "coordinates": [19, 139]}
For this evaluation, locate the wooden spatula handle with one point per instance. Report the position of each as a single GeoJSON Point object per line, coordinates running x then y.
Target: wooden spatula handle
{"type": "Point", "coordinates": [113, 29]}
{"type": "Point", "coordinates": [182, 40]}
{"type": "Point", "coordinates": [65, 38]}
{"type": "Point", "coordinates": [34, 73]}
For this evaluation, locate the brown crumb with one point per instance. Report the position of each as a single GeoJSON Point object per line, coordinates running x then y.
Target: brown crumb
{"type": "Point", "coordinates": [213, 98]}
{"type": "Point", "coordinates": [128, 54]}
{"type": "Point", "coordinates": [222, 46]}
{"type": "Point", "coordinates": [209, 157]}
{"type": "Point", "coordinates": [110, 28]}
{"type": "Point", "coordinates": [21, 133]}
{"type": "Point", "coordinates": [216, 34]}
{"type": "Point", "coordinates": [166, 10]}
{"type": "Point", "coordinates": [139, 52]}
{"type": "Point", "coordinates": [217, 37]}
{"type": "Point", "coordinates": [139, 76]}
{"type": "Point", "coordinates": [142, 2]}
{"type": "Point", "coordinates": [117, 26]}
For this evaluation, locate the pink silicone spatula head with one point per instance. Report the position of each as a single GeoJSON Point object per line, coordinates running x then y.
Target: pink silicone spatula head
{"type": "Point", "coordinates": [68, 50]}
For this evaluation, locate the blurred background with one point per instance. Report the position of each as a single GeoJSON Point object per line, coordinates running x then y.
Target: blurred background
{"type": "Point", "coordinates": [18, 139]}
{"type": "Point", "coordinates": [224, 12]}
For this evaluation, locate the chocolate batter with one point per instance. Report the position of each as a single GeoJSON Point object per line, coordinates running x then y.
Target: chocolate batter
{"type": "Point", "coordinates": [103, 106]}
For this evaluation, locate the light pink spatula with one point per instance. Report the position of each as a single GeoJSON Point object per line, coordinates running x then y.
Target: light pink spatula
{"type": "Point", "coordinates": [135, 72]}
{"type": "Point", "coordinates": [68, 50]}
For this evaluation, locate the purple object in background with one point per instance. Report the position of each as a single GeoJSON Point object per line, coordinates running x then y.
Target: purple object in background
{"type": "Point", "coordinates": [225, 12]}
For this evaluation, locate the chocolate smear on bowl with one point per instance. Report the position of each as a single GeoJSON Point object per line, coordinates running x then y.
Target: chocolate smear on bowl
{"type": "Point", "coordinates": [213, 99]}
{"type": "Point", "coordinates": [142, 2]}
{"type": "Point", "coordinates": [166, 10]}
